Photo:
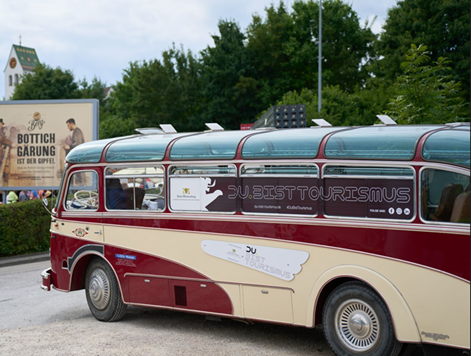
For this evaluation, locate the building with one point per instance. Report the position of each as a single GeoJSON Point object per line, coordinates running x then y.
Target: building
{"type": "Point", "coordinates": [22, 60]}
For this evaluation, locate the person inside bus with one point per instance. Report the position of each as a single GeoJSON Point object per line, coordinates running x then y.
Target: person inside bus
{"type": "Point", "coordinates": [115, 196]}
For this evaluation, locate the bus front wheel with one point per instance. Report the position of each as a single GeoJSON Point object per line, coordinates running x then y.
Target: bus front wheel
{"type": "Point", "coordinates": [357, 322]}
{"type": "Point", "coordinates": [102, 291]}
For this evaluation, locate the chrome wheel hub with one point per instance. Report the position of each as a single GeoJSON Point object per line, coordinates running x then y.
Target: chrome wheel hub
{"type": "Point", "coordinates": [99, 289]}
{"type": "Point", "coordinates": [357, 325]}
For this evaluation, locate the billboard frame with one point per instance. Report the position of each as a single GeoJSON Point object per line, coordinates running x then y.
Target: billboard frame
{"type": "Point", "coordinates": [95, 130]}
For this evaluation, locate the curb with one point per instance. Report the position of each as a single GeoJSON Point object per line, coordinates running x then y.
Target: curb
{"type": "Point", "coordinates": [23, 259]}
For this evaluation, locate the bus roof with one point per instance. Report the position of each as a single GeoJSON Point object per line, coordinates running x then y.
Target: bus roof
{"type": "Point", "coordinates": [444, 143]}
{"type": "Point", "coordinates": [450, 146]}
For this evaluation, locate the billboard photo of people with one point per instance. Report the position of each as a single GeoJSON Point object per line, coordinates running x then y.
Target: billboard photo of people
{"type": "Point", "coordinates": [36, 136]}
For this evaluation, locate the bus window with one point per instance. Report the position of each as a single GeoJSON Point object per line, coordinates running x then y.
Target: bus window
{"type": "Point", "coordinates": [279, 189]}
{"type": "Point", "coordinates": [82, 192]}
{"type": "Point", "coordinates": [368, 192]}
{"type": "Point", "coordinates": [445, 196]}
{"type": "Point", "coordinates": [202, 188]}
{"type": "Point", "coordinates": [135, 188]}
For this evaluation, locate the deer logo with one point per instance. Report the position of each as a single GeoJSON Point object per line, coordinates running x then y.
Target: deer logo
{"type": "Point", "coordinates": [208, 198]}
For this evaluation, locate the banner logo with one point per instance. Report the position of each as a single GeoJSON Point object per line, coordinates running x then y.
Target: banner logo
{"type": "Point", "coordinates": [36, 122]}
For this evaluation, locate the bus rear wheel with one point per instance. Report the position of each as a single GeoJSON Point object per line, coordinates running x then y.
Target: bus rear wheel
{"type": "Point", "coordinates": [102, 292]}
{"type": "Point", "coordinates": [357, 322]}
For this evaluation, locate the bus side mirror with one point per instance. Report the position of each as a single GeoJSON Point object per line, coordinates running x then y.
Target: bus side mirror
{"type": "Point", "coordinates": [45, 202]}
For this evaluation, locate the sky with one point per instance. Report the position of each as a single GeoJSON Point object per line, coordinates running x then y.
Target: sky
{"type": "Point", "coordinates": [101, 37]}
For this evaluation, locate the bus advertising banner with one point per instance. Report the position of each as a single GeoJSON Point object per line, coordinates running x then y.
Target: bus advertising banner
{"type": "Point", "coordinates": [36, 136]}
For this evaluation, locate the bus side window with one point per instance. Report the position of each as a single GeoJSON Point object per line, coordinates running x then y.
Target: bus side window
{"type": "Point", "coordinates": [135, 188]}
{"type": "Point", "coordinates": [154, 194]}
{"type": "Point", "coordinates": [445, 196]}
{"type": "Point", "coordinates": [82, 192]}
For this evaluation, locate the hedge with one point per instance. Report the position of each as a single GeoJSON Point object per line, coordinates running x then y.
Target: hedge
{"type": "Point", "coordinates": [24, 228]}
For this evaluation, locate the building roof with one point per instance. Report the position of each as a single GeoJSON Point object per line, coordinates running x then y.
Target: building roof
{"type": "Point", "coordinates": [27, 57]}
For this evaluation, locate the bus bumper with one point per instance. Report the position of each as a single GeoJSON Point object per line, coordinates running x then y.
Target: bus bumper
{"type": "Point", "coordinates": [46, 279]}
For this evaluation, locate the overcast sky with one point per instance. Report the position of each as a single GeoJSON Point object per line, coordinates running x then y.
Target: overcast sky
{"type": "Point", "coordinates": [100, 37]}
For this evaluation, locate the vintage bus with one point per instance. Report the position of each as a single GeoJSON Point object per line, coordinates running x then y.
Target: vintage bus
{"type": "Point", "coordinates": [362, 229]}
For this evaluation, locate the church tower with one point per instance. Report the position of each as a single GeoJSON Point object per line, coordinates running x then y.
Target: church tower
{"type": "Point", "coordinates": [22, 60]}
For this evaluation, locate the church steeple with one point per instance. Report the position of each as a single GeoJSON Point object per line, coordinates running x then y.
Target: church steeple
{"type": "Point", "coordinates": [22, 60]}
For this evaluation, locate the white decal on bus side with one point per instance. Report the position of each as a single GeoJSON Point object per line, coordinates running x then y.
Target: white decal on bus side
{"type": "Point", "coordinates": [277, 262]}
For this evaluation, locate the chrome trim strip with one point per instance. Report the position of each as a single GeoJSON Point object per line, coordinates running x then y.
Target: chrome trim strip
{"type": "Point", "coordinates": [46, 273]}
{"type": "Point", "coordinates": [281, 215]}
{"type": "Point", "coordinates": [367, 165]}
{"type": "Point", "coordinates": [272, 219]}
{"type": "Point", "coordinates": [294, 161]}
{"type": "Point", "coordinates": [285, 163]}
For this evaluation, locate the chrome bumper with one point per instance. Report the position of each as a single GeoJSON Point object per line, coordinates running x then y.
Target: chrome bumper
{"type": "Point", "coordinates": [46, 279]}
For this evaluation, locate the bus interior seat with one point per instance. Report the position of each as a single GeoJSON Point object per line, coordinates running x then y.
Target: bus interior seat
{"type": "Point", "coordinates": [447, 200]}
{"type": "Point", "coordinates": [461, 211]}
{"type": "Point", "coordinates": [140, 192]}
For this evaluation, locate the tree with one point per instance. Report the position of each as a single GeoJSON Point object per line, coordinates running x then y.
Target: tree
{"type": "Point", "coordinates": [47, 83]}
{"type": "Point", "coordinates": [156, 92]}
{"type": "Point", "coordinates": [284, 48]}
{"type": "Point", "coordinates": [427, 93]}
{"type": "Point", "coordinates": [339, 107]}
{"type": "Point", "coordinates": [227, 81]}
{"type": "Point", "coordinates": [443, 25]}
{"type": "Point", "coordinates": [94, 90]}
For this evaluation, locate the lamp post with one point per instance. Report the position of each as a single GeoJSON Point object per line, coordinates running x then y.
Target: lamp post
{"type": "Point", "coordinates": [319, 93]}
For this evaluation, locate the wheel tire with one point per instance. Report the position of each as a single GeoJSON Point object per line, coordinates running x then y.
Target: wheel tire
{"type": "Point", "coordinates": [357, 322]}
{"type": "Point", "coordinates": [103, 293]}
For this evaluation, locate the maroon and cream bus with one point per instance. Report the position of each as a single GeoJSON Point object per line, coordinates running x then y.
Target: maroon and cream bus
{"type": "Point", "coordinates": [362, 229]}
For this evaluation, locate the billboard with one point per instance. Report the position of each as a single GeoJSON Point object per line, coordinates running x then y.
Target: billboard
{"type": "Point", "coordinates": [35, 137]}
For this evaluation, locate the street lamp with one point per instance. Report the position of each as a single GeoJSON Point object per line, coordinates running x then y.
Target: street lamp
{"type": "Point", "coordinates": [319, 94]}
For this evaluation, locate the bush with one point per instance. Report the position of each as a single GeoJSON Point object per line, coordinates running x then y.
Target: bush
{"type": "Point", "coordinates": [24, 228]}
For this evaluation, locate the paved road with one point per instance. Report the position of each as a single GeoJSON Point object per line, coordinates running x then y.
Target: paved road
{"type": "Point", "coordinates": [35, 322]}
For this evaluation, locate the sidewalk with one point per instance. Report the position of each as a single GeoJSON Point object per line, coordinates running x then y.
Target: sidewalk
{"type": "Point", "coordinates": [19, 260]}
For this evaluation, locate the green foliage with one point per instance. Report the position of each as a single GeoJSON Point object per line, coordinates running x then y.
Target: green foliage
{"type": "Point", "coordinates": [155, 92]}
{"type": "Point", "coordinates": [427, 93]}
{"type": "Point", "coordinates": [339, 107]}
{"type": "Point", "coordinates": [47, 83]}
{"type": "Point", "coordinates": [227, 80]}
{"type": "Point", "coordinates": [94, 90]}
{"type": "Point", "coordinates": [284, 48]}
{"type": "Point", "coordinates": [443, 25]}
{"type": "Point", "coordinates": [24, 228]}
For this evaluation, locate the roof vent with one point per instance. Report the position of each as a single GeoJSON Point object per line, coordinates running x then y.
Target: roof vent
{"type": "Point", "coordinates": [214, 127]}
{"type": "Point", "coordinates": [457, 124]}
{"type": "Point", "coordinates": [386, 120]}
{"type": "Point", "coordinates": [149, 130]}
{"type": "Point", "coordinates": [168, 128]}
{"type": "Point", "coordinates": [322, 123]}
